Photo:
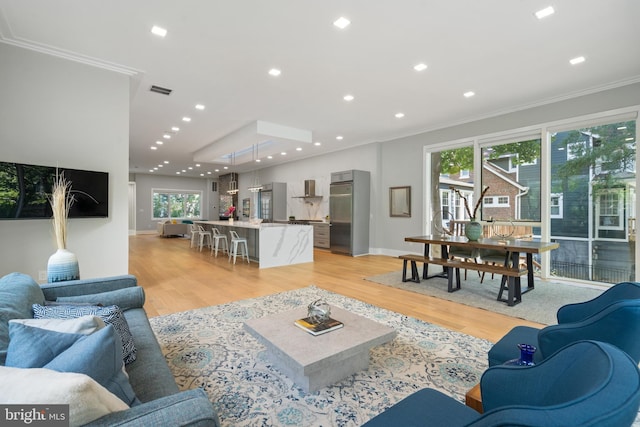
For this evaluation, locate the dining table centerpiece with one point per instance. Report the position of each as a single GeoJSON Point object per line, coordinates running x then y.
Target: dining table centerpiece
{"type": "Point", "coordinates": [473, 229]}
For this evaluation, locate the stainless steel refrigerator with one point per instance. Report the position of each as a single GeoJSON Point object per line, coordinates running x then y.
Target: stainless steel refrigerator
{"type": "Point", "coordinates": [349, 199]}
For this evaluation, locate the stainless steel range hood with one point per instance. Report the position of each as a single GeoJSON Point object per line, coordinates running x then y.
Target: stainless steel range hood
{"type": "Point", "coordinates": [310, 188]}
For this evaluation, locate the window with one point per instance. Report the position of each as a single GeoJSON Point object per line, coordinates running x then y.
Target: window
{"type": "Point", "coordinates": [176, 204]}
{"type": "Point", "coordinates": [464, 173]}
{"type": "Point", "coordinates": [495, 201]}
{"type": "Point", "coordinates": [512, 168]}
{"type": "Point", "coordinates": [610, 211]}
{"type": "Point", "coordinates": [556, 205]}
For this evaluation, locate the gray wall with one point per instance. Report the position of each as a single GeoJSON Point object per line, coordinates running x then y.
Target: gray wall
{"type": "Point", "coordinates": [146, 183]}
{"type": "Point", "coordinates": [403, 158]}
{"type": "Point", "coordinates": [59, 112]}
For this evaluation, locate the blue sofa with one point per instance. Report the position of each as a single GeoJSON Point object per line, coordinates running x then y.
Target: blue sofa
{"type": "Point", "coordinates": [158, 399]}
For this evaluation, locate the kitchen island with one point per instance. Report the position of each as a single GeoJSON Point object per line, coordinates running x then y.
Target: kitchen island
{"type": "Point", "coordinates": [271, 244]}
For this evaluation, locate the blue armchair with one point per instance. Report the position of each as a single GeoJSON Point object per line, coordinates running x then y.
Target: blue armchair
{"type": "Point", "coordinates": [612, 317]}
{"type": "Point", "coordinates": [554, 393]}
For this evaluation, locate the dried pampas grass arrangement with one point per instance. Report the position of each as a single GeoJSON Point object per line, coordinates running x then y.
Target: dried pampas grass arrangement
{"type": "Point", "coordinates": [61, 200]}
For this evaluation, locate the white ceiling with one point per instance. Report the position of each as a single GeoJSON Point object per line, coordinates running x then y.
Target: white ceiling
{"type": "Point", "coordinates": [218, 53]}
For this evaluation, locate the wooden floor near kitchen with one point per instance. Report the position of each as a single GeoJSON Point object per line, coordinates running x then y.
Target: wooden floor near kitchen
{"type": "Point", "coordinates": [176, 278]}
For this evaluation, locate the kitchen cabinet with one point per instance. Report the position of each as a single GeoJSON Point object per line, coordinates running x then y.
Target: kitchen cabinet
{"type": "Point", "coordinates": [321, 235]}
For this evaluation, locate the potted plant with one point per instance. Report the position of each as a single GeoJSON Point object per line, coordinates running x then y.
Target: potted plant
{"type": "Point", "coordinates": [63, 264]}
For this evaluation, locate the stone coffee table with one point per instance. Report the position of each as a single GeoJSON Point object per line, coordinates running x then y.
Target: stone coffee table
{"type": "Point", "coordinates": [314, 362]}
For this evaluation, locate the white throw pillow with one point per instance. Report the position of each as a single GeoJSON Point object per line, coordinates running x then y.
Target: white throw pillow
{"type": "Point", "coordinates": [85, 325]}
{"type": "Point", "coordinates": [87, 399]}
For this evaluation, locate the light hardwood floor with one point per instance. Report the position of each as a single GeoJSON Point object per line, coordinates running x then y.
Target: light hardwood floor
{"type": "Point", "coordinates": [176, 278]}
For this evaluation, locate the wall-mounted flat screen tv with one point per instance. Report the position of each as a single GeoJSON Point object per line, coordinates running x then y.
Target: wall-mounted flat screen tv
{"type": "Point", "coordinates": [24, 191]}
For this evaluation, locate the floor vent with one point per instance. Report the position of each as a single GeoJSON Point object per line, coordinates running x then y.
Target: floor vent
{"type": "Point", "coordinates": [162, 90]}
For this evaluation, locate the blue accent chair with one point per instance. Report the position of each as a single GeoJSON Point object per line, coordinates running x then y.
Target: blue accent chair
{"type": "Point", "coordinates": [613, 317]}
{"type": "Point", "coordinates": [587, 383]}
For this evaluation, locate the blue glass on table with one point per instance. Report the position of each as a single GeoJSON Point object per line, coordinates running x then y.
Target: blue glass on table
{"type": "Point", "coordinates": [526, 356]}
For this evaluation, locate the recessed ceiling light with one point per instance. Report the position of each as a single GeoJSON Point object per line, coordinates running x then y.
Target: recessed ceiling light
{"type": "Point", "coordinates": [258, 160]}
{"type": "Point", "coordinates": [160, 166]}
{"type": "Point", "coordinates": [175, 129]}
{"type": "Point", "coordinates": [166, 136]}
{"type": "Point", "coordinates": [153, 147]}
{"type": "Point", "coordinates": [166, 162]}
{"type": "Point", "coordinates": [469, 94]}
{"type": "Point", "coordinates": [284, 153]}
{"type": "Point", "coordinates": [155, 169]}
{"type": "Point", "coordinates": [342, 22]}
{"type": "Point", "coordinates": [197, 165]}
{"type": "Point", "coordinates": [216, 170]}
{"type": "Point", "coordinates": [420, 67]}
{"type": "Point", "coordinates": [186, 119]}
{"type": "Point", "coordinates": [317, 143]}
{"type": "Point", "coordinates": [399, 115]}
{"type": "Point", "coordinates": [339, 137]}
{"type": "Point", "coordinates": [184, 171]}
{"type": "Point", "coordinates": [348, 98]}
{"type": "Point", "coordinates": [299, 149]}
{"type": "Point", "coordinates": [269, 157]}
{"type": "Point", "coordinates": [150, 170]}
{"type": "Point", "coordinates": [159, 142]}
{"type": "Point", "coordinates": [201, 174]}
{"type": "Point", "coordinates": [577, 60]}
{"type": "Point", "coordinates": [158, 31]}
{"type": "Point", "coordinates": [225, 167]}
{"type": "Point", "coordinates": [209, 172]}
{"type": "Point", "coordinates": [275, 72]}
{"type": "Point", "coordinates": [190, 168]}
{"type": "Point", "coordinates": [178, 173]}
{"type": "Point", "coordinates": [200, 107]}
{"type": "Point", "coordinates": [543, 13]}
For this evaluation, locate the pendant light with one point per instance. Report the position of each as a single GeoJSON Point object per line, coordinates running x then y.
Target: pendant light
{"type": "Point", "coordinates": [233, 184]}
{"type": "Point", "coordinates": [256, 186]}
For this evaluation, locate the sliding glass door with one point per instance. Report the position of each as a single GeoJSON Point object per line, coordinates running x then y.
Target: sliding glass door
{"type": "Point", "coordinates": [593, 199]}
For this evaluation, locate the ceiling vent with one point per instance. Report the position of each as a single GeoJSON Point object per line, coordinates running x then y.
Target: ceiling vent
{"type": "Point", "coordinates": [161, 90]}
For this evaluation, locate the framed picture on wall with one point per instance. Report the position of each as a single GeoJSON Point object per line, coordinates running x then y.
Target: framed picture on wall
{"type": "Point", "coordinates": [400, 201]}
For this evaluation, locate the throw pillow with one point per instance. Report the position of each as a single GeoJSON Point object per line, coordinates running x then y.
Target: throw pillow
{"type": "Point", "coordinates": [98, 355]}
{"type": "Point", "coordinates": [125, 298]}
{"type": "Point", "coordinates": [17, 293]}
{"type": "Point", "coordinates": [111, 315]}
{"type": "Point", "coordinates": [87, 399]}
{"type": "Point", "coordinates": [82, 325]}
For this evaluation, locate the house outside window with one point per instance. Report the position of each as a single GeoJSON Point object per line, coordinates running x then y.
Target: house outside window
{"type": "Point", "coordinates": [464, 173]}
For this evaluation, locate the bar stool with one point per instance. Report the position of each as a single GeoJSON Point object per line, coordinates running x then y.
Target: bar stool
{"type": "Point", "coordinates": [195, 234]}
{"type": "Point", "coordinates": [235, 241]}
{"type": "Point", "coordinates": [203, 235]}
{"type": "Point", "coordinates": [217, 236]}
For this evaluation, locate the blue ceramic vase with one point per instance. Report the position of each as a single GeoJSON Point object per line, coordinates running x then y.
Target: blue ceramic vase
{"type": "Point", "coordinates": [62, 265]}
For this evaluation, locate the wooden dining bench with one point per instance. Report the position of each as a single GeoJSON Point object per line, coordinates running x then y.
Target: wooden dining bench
{"type": "Point", "coordinates": [512, 286]}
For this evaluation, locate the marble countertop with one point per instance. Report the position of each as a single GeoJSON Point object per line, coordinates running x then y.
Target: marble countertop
{"type": "Point", "coordinates": [249, 224]}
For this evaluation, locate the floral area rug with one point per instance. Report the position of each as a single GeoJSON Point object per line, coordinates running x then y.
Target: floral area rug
{"type": "Point", "coordinates": [209, 348]}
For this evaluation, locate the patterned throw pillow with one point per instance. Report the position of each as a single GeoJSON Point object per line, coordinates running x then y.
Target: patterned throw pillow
{"type": "Point", "coordinates": [111, 315]}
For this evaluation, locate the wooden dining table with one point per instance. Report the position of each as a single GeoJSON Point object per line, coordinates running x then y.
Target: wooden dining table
{"type": "Point", "coordinates": [514, 249]}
